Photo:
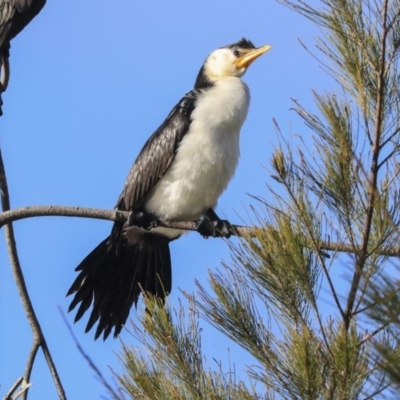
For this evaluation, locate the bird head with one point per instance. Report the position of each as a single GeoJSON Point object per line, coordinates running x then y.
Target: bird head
{"type": "Point", "coordinates": [232, 60]}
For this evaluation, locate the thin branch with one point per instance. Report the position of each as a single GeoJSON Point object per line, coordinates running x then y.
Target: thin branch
{"type": "Point", "coordinates": [389, 138]}
{"type": "Point", "coordinates": [38, 336]}
{"type": "Point", "coordinates": [393, 21]}
{"type": "Point", "coordinates": [317, 248]}
{"type": "Point", "coordinates": [61, 211]}
{"type": "Point", "coordinates": [378, 391]}
{"type": "Point", "coordinates": [18, 214]}
{"type": "Point", "coordinates": [14, 387]}
{"type": "Point", "coordinates": [374, 174]}
{"type": "Point", "coordinates": [30, 362]}
{"type": "Point", "coordinates": [363, 309]}
{"type": "Point", "coordinates": [88, 359]}
{"type": "Point", "coordinates": [96, 213]}
{"type": "Point", "coordinates": [374, 333]}
{"type": "Point", "coordinates": [388, 157]}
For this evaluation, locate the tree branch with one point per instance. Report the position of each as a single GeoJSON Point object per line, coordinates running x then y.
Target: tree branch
{"type": "Point", "coordinates": [38, 336]}
{"type": "Point", "coordinates": [30, 362]}
{"type": "Point", "coordinates": [18, 214]}
{"type": "Point", "coordinates": [373, 178]}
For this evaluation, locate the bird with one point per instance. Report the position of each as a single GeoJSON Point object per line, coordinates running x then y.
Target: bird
{"type": "Point", "coordinates": [179, 174]}
{"type": "Point", "coordinates": [15, 15]}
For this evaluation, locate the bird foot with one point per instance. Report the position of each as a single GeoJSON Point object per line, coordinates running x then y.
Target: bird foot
{"type": "Point", "coordinates": [219, 228]}
{"type": "Point", "coordinates": [143, 220]}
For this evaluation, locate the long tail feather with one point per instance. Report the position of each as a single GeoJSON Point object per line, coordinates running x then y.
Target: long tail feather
{"type": "Point", "coordinates": [111, 279]}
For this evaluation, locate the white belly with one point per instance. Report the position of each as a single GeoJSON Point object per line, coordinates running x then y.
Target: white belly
{"type": "Point", "coordinates": [207, 156]}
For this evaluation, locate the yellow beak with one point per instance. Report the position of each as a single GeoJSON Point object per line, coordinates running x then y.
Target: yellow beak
{"type": "Point", "coordinates": [250, 56]}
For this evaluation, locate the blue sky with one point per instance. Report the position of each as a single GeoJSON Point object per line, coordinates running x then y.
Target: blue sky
{"type": "Point", "coordinates": [90, 81]}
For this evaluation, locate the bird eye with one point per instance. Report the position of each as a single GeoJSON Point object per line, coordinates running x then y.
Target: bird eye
{"type": "Point", "coordinates": [236, 53]}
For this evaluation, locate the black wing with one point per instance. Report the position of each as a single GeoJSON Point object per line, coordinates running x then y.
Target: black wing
{"type": "Point", "coordinates": [14, 16]}
{"type": "Point", "coordinates": [157, 154]}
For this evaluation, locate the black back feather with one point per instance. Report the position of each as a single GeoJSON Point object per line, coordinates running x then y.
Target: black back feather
{"type": "Point", "coordinates": [155, 158]}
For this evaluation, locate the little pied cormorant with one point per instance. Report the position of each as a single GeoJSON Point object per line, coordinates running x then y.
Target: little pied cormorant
{"type": "Point", "coordinates": [179, 175]}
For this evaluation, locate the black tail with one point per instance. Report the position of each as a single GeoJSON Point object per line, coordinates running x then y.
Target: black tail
{"type": "Point", "coordinates": [112, 278]}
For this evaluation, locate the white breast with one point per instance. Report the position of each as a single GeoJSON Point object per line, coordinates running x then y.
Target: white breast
{"type": "Point", "coordinates": [207, 156]}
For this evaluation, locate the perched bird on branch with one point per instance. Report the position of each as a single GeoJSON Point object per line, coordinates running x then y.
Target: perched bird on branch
{"type": "Point", "coordinates": [15, 15]}
{"type": "Point", "coordinates": [179, 175]}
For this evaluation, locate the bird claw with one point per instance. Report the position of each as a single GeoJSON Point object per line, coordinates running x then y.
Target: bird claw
{"type": "Point", "coordinates": [143, 220]}
{"type": "Point", "coordinates": [219, 228]}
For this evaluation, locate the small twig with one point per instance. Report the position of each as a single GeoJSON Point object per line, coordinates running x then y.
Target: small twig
{"type": "Point", "coordinates": [23, 391]}
{"type": "Point", "coordinates": [374, 333]}
{"type": "Point", "coordinates": [88, 359]}
{"type": "Point", "coordinates": [38, 336]}
{"type": "Point", "coordinates": [14, 387]}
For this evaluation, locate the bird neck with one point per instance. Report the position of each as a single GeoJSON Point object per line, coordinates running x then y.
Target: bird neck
{"type": "Point", "coordinates": [202, 80]}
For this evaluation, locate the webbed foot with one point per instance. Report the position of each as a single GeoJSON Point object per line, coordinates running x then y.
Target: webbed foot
{"type": "Point", "coordinates": [142, 220]}
{"type": "Point", "coordinates": [219, 228]}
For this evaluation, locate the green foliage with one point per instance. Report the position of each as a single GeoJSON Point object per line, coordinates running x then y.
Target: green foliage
{"type": "Point", "coordinates": [175, 368]}
{"type": "Point", "coordinates": [342, 198]}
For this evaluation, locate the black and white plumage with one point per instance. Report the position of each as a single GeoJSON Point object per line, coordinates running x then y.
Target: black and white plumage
{"type": "Point", "coordinates": [179, 175]}
{"type": "Point", "coordinates": [15, 15]}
